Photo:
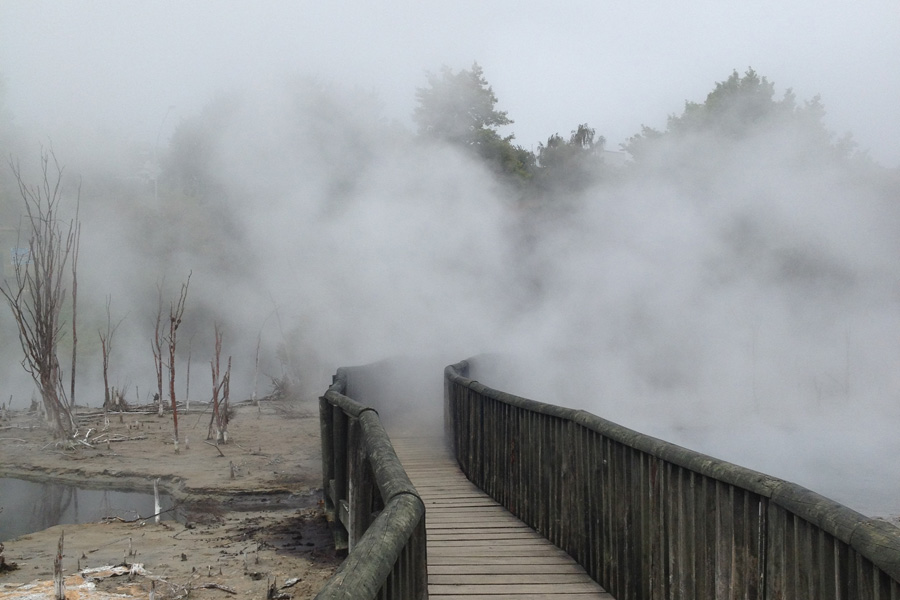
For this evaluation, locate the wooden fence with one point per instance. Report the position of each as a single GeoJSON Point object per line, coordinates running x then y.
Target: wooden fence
{"type": "Point", "coordinates": [651, 520]}
{"type": "Point", "coordinates": [376, 511]}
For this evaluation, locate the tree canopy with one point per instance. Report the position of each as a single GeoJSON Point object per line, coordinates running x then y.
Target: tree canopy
{"type": "Point", "coordinates": [460, 108]}
{"type": "Point", "coordinates": [573, 164]}
{"type": "Point", "coordinates": [742, 107]}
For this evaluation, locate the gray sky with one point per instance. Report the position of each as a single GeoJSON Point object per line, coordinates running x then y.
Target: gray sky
{"type": "Point", "coordinates": [117, 66]}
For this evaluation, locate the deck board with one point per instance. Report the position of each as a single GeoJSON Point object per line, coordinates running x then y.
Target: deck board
{"type": "Point", "coordinates": [477, 550]}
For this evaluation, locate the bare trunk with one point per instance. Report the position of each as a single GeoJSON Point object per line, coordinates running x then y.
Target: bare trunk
{"type": "Point", "coordinates": [176, 311]}
{"type": "Point", "coordinates": [59, 582]}
{"type": "Point", "coordinates": [77, 239]}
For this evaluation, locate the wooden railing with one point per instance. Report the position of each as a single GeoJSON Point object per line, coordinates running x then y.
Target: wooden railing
{"type": "Point", "coordinates": [376, 511]}
{"type": "Point", "coordinates": [651, 520]}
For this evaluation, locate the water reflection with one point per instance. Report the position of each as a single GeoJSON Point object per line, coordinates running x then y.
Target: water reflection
{"type": "Point", "coordinates": [29, 506]}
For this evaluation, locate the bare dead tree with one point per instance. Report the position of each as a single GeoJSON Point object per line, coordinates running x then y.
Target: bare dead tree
{"type": "Point", "coordinates": [156, 346]}
{"type": "Point", "coordinates": [176, 311]}
{"type": "Point", "coordinates": [253, 398]}
{"type": "Point", "coordinates": [77, 244]}
{"type": "Point", "coordinates": [106, 339]}
{"type": "Point", "coordinates": [187, 386]}
{"type": "Point", "coordinates": [218, 423]}
{"type": "Point", "coordinates": [226, 394]}
{"type": "Point", "coordinates": [213, 432]}
{"type": "Point", "coordinates": [36, 294]}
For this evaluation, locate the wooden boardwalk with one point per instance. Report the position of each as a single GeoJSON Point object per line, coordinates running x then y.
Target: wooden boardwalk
{"type": "Point", "coordinates": [476, 548]}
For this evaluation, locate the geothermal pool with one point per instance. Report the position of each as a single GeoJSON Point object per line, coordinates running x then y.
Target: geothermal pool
{"type": "Point", "coordinates": [29, 506]}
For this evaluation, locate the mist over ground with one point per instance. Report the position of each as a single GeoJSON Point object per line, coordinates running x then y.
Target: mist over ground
{"type": "Point", "coordinates": [736, 294]}
{"type": "Point", "coordinates": [752, 315]}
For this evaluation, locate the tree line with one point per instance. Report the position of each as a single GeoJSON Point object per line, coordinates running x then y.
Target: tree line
{"type": "Point", "coordinates": [460, 108]}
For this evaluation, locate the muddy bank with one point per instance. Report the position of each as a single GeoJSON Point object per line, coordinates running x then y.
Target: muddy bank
{"type": "Point", "coordinates": [250, 509]}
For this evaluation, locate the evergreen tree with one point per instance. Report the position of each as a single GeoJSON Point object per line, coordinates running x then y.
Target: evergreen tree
{"type": "Point", "coordinates": [460, 109]}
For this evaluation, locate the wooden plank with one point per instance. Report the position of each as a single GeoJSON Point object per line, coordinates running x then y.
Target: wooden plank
{"type": "Point", "coordinates": [458, 499]}
{"type": "Point", "coordinates": [505, 569]}
{"type": "Point", "coordinates": [479, 533]}
{"type": "Point", "coordinates": [534, 559]}
{"type": "Point", "coordinates": [492, 596]}
{"type": "Point", "coordinates": [487, 551]}
{"type": "Point", "coordinates": [477, 514]}
{"type": "Point", "coordinates": [439, 488]}
{"type": "Point", "coordinates": [468, 512]}
{"type": "Point", "coordinates": [447, 509]}
{"type": "Point", "coordinates": [447, 494]}
{"type": "Point", "coordinates": [506, 579]}
{"type": "Point", "coordinates": [497, 535]}
{"type": "Point", "coordinates": [453, 523]}
{"type": "Point", "coordinates": [466, 527]}
{"type": "Point", "coordinates": [492, 543]}
{"type": "Point", "coordinates": [512, 588]}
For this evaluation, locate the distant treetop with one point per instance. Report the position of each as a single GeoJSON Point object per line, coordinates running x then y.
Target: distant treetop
{"type": "Point", "coordinates": [460, 109]}
{"type": "Point", "coordinates": [745, 106]}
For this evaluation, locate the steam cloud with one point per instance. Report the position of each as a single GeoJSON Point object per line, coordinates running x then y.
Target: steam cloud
{"type": "Point", "coordinates": [751, 313]}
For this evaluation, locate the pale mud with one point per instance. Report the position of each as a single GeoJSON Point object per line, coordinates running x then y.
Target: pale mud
{"type": "Point", "coordinates": [250, 520]}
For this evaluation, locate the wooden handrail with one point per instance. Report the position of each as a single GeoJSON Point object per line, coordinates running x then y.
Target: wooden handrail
{"type": "Point", "coordinates": [376, 512]}
{"type": "Point", "coordinates": [650, 519]}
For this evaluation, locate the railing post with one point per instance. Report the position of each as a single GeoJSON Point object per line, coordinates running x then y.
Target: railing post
{"type": "Point", "coordinates": [340, 453]}
{"type": "Point", "coordinates": [326, 425]}
{"type": "Point", "coordinates": [339, 485]}
{"type": "Point", "coordinates": [360, 492]}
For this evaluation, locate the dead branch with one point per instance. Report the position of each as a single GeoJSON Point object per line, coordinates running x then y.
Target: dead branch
{"type": "Point", "coordinates": [216, 446]}
{"type": "Point", "coordinates": [214, 586]}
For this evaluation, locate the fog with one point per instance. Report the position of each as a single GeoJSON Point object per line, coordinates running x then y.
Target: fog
{"type": "Point", "coordinates": [747, 309]}
{"type": "Point", "coordinates": [752, 316]}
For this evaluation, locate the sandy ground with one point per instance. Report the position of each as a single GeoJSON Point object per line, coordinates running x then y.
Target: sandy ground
{"type": "Point", "coordinates": [249, 520]}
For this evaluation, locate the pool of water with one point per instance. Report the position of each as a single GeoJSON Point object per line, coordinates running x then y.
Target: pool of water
{"type": "Point", "coordinates": [29, 506]}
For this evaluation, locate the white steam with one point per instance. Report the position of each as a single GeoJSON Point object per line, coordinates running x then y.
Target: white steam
{"type": "Point", "coordinates": [748, 310]}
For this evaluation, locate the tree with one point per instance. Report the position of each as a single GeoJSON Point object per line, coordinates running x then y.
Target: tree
{"type": "Point", "coordinates": [735, 107]}
{"type": "Point", "coordinates": [176, 312]}
{"type": "Point", "coordinates": [36, 294]}
{"type": "Point", "coordinates": [570, 165]}
{"type": "Point", "coordinates": [741, 108]}
{"type": "Point", "coordinates": [106, 342]}
{"type": "Point", "coordinates": [218, 422]}
{"type": "Point", "coordinates": [156, 347]}
{"type": "Point", "coordinates": [460, 109]}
